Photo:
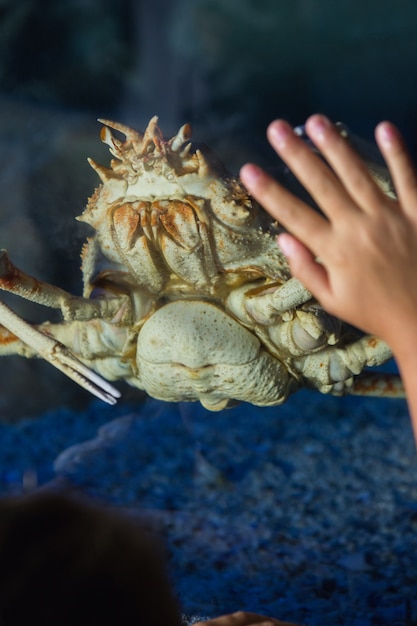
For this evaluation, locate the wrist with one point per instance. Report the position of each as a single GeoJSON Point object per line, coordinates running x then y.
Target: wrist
{"type": "Point", "coordinates": [400, 333]}
{"type": "Point", "coordinates": [404, 349]}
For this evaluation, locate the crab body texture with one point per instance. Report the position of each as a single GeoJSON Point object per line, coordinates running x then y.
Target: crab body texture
{"type": "Point", "coordinates": [186, 292]}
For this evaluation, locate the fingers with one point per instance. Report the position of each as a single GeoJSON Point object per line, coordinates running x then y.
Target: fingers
{"type": "Point", "coordinates": [304, 266]}
{"type": "Point", "coordinates": [303, 221]}
{"type": "Point", "coordinates": [399, 163]}
{"type": "Point", "coordinates": [242, 618]}
{"type": "Point", "coordinates": [310, 170]}
{"type": "Point", "coordinates": [331, 194]}
{"type": "Point", "coordinates": [349, 167]}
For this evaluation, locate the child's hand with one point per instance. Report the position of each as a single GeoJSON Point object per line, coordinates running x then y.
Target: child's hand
{"type": "Point", "coordinates": [360, 259]}
{"type": "Point", "coordinates": [241, 618]}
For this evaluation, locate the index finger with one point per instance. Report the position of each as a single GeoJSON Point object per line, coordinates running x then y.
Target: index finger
{"type": "Point", "coordinates": [295, 215]}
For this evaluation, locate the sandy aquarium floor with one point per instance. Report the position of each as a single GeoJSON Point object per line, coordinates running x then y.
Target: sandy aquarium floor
{"type": "Point", "coordinates": [307, 511]}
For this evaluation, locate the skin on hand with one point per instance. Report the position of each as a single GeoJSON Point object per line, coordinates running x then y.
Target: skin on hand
{"type": "Point", "coordinates": [242, 618]}
{"type": "Point", "coordinates": [359, 258]}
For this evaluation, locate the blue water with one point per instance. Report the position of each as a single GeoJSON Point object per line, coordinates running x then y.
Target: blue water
{"type": "Point", "coordinates": [305, 511]}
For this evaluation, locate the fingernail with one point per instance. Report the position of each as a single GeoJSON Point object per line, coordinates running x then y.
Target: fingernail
{"type": "Point", "coordinates": [250, 173]}
{"type": "Point", "coordinates": [317, 126]}
{"type": "Point", "coordinates": [285, 244]}
{"type": "Point", "coordinates": [278, 132]}
{"type": "Point", "coordinates": [386, 132]}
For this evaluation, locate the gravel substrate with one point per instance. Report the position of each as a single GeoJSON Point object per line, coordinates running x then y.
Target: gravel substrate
{"type": "Point", "coordinates": [307, 511]}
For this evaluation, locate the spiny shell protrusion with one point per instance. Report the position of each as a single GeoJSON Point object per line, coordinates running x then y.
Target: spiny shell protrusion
{"type": "Point", "coordinates": [105, 173]}
{"type": "Point", "coordinates": [134, 136]}
{"type": "Point", "coordinates": [183, 135]}
{"type": "Point", "coordinates": [140, 150]}
{"type": "Point", "coordinates": [204, 167]}
{"type": "Point", "coordinates": [153, 135]}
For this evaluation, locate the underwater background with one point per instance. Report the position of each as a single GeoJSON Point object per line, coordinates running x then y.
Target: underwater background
{"type": "Point", "coordinates": [306, 511]}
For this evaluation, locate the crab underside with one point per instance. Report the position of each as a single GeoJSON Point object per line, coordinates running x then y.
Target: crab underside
{"type": "Point", "coordinates": [186, 294]}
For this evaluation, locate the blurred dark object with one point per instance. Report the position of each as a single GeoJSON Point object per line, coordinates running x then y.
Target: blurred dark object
{"type": "Point", "coordinates": [68, 563]}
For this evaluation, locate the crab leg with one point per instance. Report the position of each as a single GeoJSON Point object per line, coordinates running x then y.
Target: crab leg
{"type": "Point", "coordinates": [14, 280]}
{"type": "Point", "coordinates": [265, 304]}
{"type": "Point", "coordinates": [58, 355]}
{"type": "Point", "coordinates": [378, 384]}
{"type": "Point", "coordinates": [287, 296]}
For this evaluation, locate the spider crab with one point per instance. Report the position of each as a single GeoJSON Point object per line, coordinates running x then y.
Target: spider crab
{"type": "Point", "coordinates": [186, 293]}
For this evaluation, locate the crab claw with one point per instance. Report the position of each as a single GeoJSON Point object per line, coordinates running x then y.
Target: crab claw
{"type": "Point", "coordinates": [58, 355]}
{"type": "Point", "coordinates": [65, 361]}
